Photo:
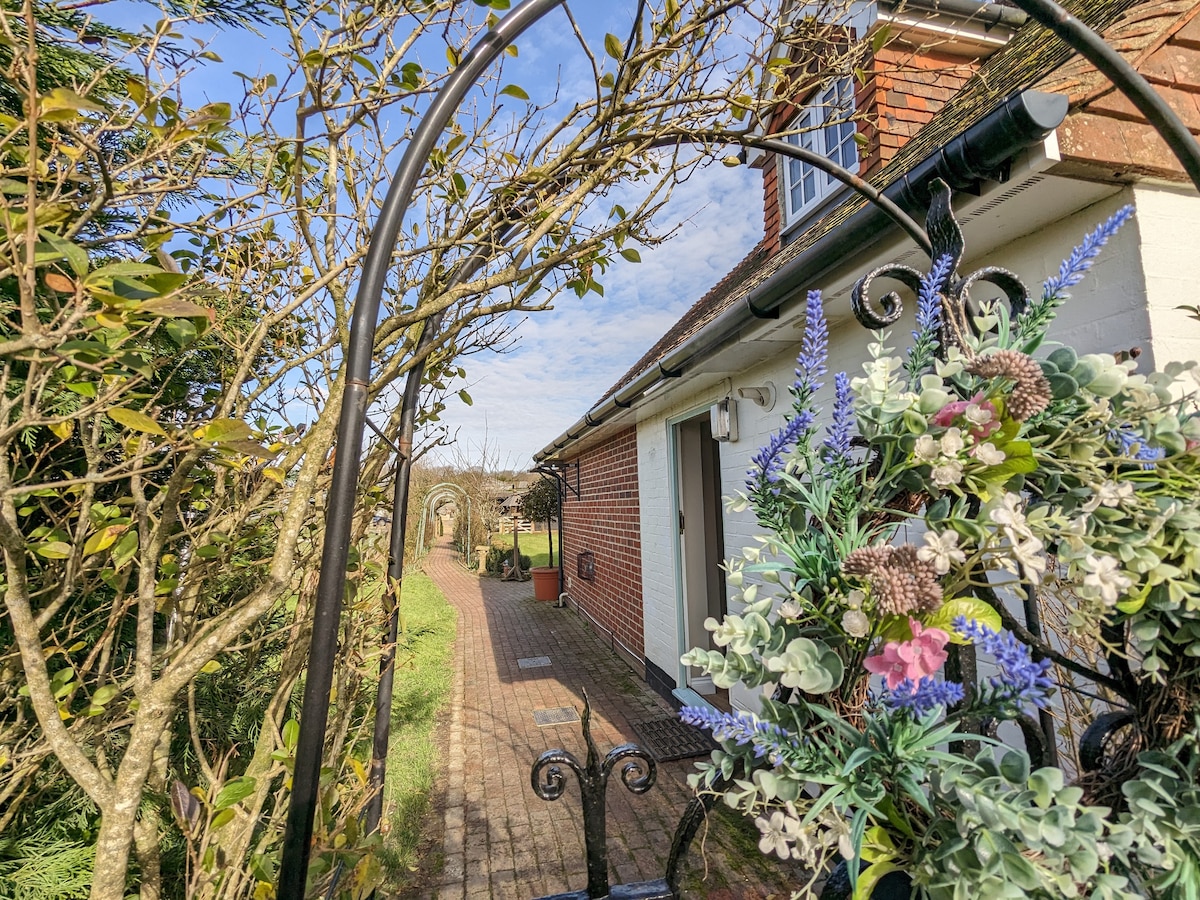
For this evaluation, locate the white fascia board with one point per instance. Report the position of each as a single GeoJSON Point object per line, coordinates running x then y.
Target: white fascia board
{"type": "Point", "coordinates": [951, 34]}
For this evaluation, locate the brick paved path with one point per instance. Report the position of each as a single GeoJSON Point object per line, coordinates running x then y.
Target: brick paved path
{"type": "Point", "coordinates": [500, 839]}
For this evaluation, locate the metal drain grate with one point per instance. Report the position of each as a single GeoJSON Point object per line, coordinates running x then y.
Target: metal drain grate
{"type": "Point", "coordinates": [668, 739]}
{"type": "Point", "coordinates": [533, 662]}
{"type": "Point", "coordinates": [558, 715]}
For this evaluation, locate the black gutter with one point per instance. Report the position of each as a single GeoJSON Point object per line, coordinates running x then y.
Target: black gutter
{"type": "Point", "coordinates": [981, 152]}
{"type": "Point", "coordinates": [988, 14]}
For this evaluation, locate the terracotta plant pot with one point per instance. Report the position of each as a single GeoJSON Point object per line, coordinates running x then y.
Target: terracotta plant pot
{"type": "Point", "coordinates": [545, 582]}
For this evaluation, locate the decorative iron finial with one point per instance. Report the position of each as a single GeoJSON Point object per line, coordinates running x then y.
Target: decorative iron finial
{"type": "Point", "coordinates": [638, 774]}
{"type": "Point", "coordinates": [946, 237]}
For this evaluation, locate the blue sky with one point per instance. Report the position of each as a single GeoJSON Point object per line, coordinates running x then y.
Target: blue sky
{"type": "Point", "coordinates": [564, 359]}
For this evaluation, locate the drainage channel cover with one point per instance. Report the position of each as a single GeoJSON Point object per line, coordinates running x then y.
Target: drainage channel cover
{"type": "Point", "coordinates": [558, 715]}
{"type": "Point", "coordinates": [668, 739]}
{"type": "Point", "coordinates": [533, 662]}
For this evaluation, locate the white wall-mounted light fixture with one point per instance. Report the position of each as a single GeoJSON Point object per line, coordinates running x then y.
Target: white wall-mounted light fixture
{"type": "Point", "coordinates": [722, 420]}
{"type": "Point", "coordinates": [760, 395]}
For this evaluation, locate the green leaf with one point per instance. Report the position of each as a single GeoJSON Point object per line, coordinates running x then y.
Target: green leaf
{"type": "Point", "coordinates": [465, 398]}
{"type": "Point", "coordinates": [613, 46]}
{"type": "Point", "coordinates": [135, 420]}
{"type": "Point", "coordinates": [291, 733]}
{"type": "Point", "coordinates": [632, 255]}
{"type": "Point", "coordinates": [62, 100]}
{"type": "Point", "coordinates": [513, 90]}
{"type": "Point", "coordinates": [53, 550]}
{"type": "Point", "coordinates": [104, 694]}
{"type": "Point", "coordinates": [174, 307]}
{"type": "Point", "coordinates": [235, 792]}
{"type": "Point", "coordinates": [125, 550]}
{"type": "Point", "coordinates": [75, 255]}
{"type": "Point", "coordinates": [971, 608]}
{"type": "Point", "coordinates": [210, 667]}
{"type": "Point", "coordinates": [222, 430]}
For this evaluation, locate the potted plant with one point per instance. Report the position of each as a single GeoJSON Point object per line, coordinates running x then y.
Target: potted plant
{"type": "Point", "coordinates": [1024, 477]}
{"type": "Point", "coordinates": [540, 504]}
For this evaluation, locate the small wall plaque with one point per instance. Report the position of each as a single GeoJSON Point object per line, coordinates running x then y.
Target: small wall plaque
{"type": "Point", "coordinates": [586, 562]}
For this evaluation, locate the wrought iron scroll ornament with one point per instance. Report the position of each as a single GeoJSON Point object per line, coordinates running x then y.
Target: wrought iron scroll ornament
{"type": "Point", "coordinates": [638, 773]}
{"type": "Point", "coordinates": [946, 240]}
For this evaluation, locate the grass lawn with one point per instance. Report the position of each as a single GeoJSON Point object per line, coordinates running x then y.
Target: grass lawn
{"type": "Point", "coordinates": [536, 546]}
{"type": "Point", "coordinates": [424, 679]}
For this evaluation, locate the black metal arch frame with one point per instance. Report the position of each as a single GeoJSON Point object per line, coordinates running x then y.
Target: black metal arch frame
{"type": "Point", "coordinates": [354, 391]}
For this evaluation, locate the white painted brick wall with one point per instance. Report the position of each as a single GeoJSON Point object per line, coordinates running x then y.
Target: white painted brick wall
{"type": "Point", "coordinates": [1108, 311]}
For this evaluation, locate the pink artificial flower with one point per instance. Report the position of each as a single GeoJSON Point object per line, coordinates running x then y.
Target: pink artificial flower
{"type": "Point", "coordinates": [945, 416]}
{"type": "Point", "coordinates": [914, 660]}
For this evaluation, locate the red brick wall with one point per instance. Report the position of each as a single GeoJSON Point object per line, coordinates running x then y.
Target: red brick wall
{"type": "Point", "coordinates": [605, 519]}
{"type": "Point", "coordinates": [903, 91]}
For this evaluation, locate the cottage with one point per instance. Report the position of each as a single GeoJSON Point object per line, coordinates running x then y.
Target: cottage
{"type": "Point", "coordinates": [1037, 148]}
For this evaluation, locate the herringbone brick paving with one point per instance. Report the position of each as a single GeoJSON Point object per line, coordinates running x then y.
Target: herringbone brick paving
{"type": "Point", "coordinates": [500, 840]}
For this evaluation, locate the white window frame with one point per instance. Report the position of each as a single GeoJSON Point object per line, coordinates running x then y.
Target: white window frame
{"type": "Point", "coordinates": [803, 187]}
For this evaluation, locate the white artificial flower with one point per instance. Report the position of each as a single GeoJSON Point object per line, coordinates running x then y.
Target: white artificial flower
{"type": "Point", "coordinates": [941, 550]}
{"type": "Point", "coordinates": [952, 442]}
{"type": "Point", "coordinates": [789, 609]}
{"type": "Point", "coordinates": [1009, 516]}
{"type": "Point", "coordinates": [855, 623]}
{"type": "Point", "coordinates": [948, 473]}
{"type": "Point", "coordinates": [1109, 494]}
{"type": "Point", "coordinates": [1029, 554]}
{"type": "Point", "coordinates": [1106, 578]}
{"type": "Point", "coordinates": [988, 454]}
{"type": "Point", "coordinates": [774, 835]}
{"type": "Point", "coordinates": [977, 415]}
{"type": "Point", "coordinates": [926, 449]}
{"type": "Point", "coordinates": [855, 599]}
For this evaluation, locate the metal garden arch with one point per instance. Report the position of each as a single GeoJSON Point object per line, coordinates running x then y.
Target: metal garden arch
{"type": "Point", "coordinates": [327, 606]}
{"type": "Point", "coordinates": [438, 494]}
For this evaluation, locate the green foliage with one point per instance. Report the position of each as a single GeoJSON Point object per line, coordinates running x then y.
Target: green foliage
{"type": "Point", "coordinates": [37, 866]}
{"type": "Point", "coordinates": [424, 681]}
{"type": "Point", "coordinates": [499, 557]}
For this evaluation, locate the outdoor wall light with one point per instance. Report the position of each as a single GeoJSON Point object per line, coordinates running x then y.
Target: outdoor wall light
{"type": "Point", "coordinates": [760, 395]}
{"type": "Point", "coordinates": [722, 420]}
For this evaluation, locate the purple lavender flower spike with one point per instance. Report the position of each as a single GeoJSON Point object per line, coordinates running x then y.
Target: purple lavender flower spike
{"type": "Point", "coordinates": [768, 461]}
{"type": "Point", "coordinates": [1073, 268]}
{"type": "Point", "coordinates": [837, 442]}
{"type": "Point", "coordinates": [1022, 679]}
{"type": "Point", "coordinates": [923, 697]}
{"type": "Point", "coordinates": [929, 299]}
{"type": "Point", "coordinates": [742, 728]}
{"type": "Point", "coordinates": [1134, 446]}
{"type": "Point", "coordinates": [814, 349]}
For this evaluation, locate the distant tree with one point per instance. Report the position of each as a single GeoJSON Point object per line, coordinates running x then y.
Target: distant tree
{"type": "Point", "coordinates": [540, 504]}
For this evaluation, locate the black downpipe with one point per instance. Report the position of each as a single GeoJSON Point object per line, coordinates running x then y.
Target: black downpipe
{"type": "Point", "coordinates": [562, 565]}
{"type": "Point", "coordinates": [314, 716]}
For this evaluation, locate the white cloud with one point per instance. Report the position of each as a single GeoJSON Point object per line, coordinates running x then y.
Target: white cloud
{"type": "Point", "coordinates": [568, 357]}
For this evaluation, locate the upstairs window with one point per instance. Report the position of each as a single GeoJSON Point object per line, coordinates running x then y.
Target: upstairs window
{"type": "Point", "coordinates": [804, 186]}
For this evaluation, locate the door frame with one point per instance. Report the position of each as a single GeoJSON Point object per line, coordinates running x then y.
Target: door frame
{"type": "Point", "coordinates": [673, 452]}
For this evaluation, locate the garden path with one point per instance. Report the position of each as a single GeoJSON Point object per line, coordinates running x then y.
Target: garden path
{"type": "Point", "coordinates": [499, 840]}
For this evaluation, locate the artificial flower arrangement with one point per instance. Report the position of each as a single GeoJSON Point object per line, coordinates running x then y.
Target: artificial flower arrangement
{"type": "Point", "coordinates": [952, 485]}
